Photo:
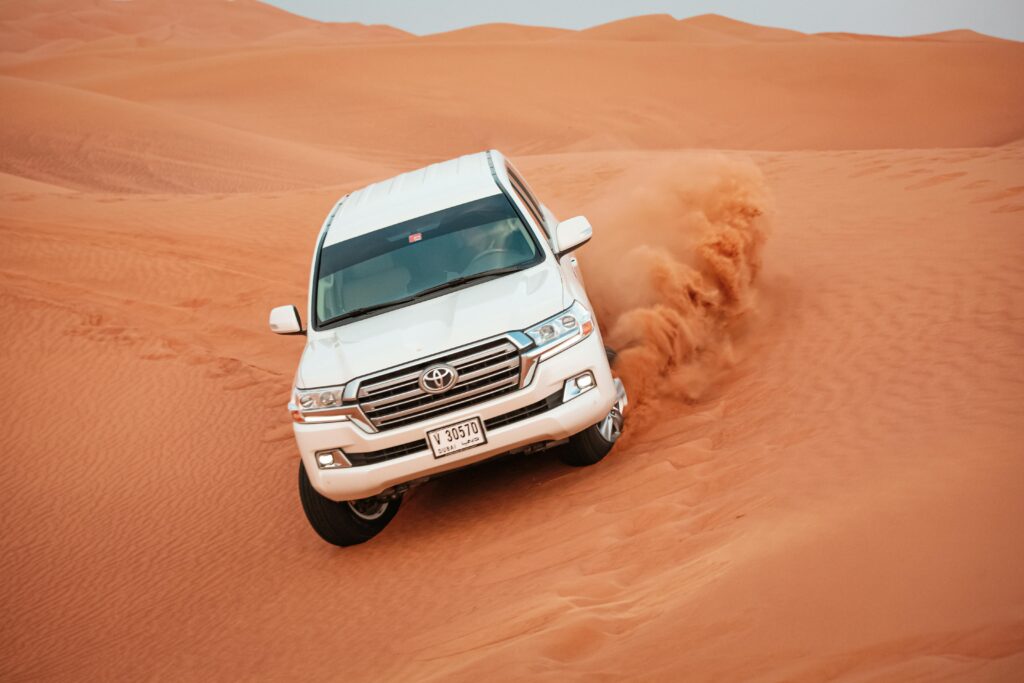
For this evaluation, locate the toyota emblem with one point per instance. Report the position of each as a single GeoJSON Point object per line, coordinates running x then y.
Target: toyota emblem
{"type": "Point", "coordinates": [437, 379]}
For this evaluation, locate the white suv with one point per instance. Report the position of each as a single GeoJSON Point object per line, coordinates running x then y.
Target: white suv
{"type": "Point", "coordinates": [448, 324]}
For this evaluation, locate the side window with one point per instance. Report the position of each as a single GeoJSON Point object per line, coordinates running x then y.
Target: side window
{"type": "Point", "coordinates": [524, 195]}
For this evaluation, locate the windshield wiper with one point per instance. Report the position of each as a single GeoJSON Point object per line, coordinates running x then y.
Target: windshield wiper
{"type": "Point", "coordinates": [457, 282]}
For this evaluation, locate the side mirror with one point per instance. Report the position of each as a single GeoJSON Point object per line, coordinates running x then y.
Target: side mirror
{"type": "Point", "coordinates": [572, 233]}
{"type": "Point", "coordinates": [285, 320]}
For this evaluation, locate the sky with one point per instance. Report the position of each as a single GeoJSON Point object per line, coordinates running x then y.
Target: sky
{"type": "Point", "coordinates": [1003, 18]}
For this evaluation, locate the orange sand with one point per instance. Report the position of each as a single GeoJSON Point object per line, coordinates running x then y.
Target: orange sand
{"type": "Point", "coordinates": [822, 477]}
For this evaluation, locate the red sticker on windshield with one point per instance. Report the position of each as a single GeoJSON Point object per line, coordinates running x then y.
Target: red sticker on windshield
{"type": "Point", "coordinates": [415, 237]}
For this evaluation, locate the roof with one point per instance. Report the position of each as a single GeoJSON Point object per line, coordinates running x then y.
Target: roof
{"type": "Point", "coordinates": [412, 194]}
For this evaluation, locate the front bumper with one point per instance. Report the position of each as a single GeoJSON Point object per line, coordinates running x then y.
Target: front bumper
{"type": "Point", "coordinates": [558, 423]}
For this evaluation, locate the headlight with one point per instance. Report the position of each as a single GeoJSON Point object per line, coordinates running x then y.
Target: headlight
{"type": "Point", "coordinates": [324, 403]}
{"type": "Point", "coordinates": [563, 330]}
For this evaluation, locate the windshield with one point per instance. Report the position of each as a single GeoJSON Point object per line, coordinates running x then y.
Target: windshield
{"type": "Point", "coordinates": [426, 253]}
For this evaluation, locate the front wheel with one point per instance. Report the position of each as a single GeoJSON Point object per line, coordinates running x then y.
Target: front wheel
{"type": "Point", "coordinates": [349, 522]}
{"type": "Point", "coordinates": [593, 443]}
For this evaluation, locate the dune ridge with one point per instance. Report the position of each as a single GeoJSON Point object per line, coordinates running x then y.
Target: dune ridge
{"type": "Point", "coordinates": [74, 25]}
{"type": "Point", "coordinates": [819, 324]}
{"type": "Point", "coordinates": [592, 101]}
{"type": "Point", "coordinates": [705, 28]}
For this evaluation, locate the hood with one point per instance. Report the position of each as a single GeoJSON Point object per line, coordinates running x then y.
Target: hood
{"type": "Point", "coordinates": [511, 302]}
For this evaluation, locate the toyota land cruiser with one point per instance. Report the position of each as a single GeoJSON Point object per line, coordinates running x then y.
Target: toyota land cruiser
{"type": "Point", "coordinates": [448, 324]}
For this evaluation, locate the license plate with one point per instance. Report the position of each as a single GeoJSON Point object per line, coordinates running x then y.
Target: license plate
{"type": "Point", "coordinates": [456, 437]}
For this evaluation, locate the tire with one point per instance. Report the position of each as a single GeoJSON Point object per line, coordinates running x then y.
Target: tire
{"type": "Point", "coordinates": [586, 448]}
{"type": "Point", "coordinates": [593, 443]}
{"type": "Point", "coordinates": [341, 523]}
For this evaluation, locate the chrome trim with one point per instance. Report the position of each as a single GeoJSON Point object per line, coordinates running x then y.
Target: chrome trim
{"type": "Point", "coordinates": [343, 412]}
{"type": "Point", "coordinates": [535, 354]}
{"type": "Point", "coordinates": [527, 368]}
{"type": "Point", "coordinates": [339, 412]}
{"type": "Point", "coordinates": [520, 339]}
{"type": "Point", "coordinates": [397, 398]}
{"type": "Point", "coordinates": [570, 390]}
{"type": "Point", "coordinates": [490, 355]}
{"type": "Point", "coordinates": [545, 353]}
{"type": "Point", "coordinates": [414, 394]}
{"type": "Point", "coordinates": [451, 400]}
{"type": "Point", "coordinates": [489, 369]}
{"type": "Point", "coordinates": [413, 377]}
{"type": "Point", "coordinates": [433, 374]}
{"type": "Point", "coordinates": [340, 461]}
{"type": "Point", "coordinates": [483, 355]}
{"type": "Point", "coordinates": [540, 353]}
{"type": "Point", "coordinates": [526, 363]}
{"type": "Point", "coordinates": [377, 388]}
{"type": "Point", "coordinates": [358, 382]}
{"type": "Point", "coordinates": [355, 408]}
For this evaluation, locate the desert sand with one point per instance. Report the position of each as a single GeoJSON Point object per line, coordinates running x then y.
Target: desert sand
{"type": "Point", "coordinates": [809, 248]}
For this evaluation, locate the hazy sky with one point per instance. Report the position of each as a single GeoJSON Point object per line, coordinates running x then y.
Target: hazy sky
{"type": "Point", "coordinates": [1003, 18]}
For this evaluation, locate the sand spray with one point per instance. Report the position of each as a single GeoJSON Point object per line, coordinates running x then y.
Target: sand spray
{"type": "Point", "coordinates": [673, 275]}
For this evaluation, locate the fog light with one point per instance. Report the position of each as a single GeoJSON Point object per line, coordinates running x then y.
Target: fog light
{"type": "Point", "coordinates": [332, 459]}
{"type": "Point", "coordinates": [575, 386]}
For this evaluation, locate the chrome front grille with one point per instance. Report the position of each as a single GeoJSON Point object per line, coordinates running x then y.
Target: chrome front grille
{"type": "Point", "coordinates": [486, 370]}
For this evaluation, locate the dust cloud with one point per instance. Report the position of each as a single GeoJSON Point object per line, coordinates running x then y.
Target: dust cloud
{"type": "Point", "coordinates": [676, 275]}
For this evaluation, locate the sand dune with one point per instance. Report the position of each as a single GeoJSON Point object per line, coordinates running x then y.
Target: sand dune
{"type": "Point", "coordinates": [148, 150]}
{"type": "Point", "coordinates": [959, 35]}
{"type": "Point", "coordinates": [117, 23]}
{"type": "Point", "coordinates": [821, 325]}
{"type": "Point", "coordinates": [498, 32]}
{"type": "Point", "coordinates": [707, 28]}
{"type": "Point", "coordinates": [757, 97]}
